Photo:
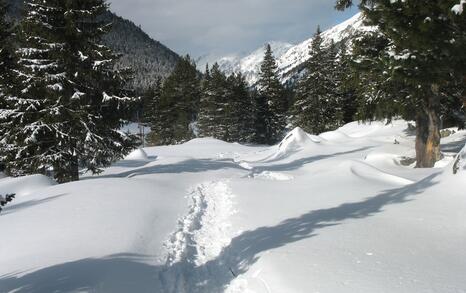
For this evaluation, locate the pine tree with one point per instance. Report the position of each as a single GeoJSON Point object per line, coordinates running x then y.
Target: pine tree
{"type": "Point", "coordinates": [179, 103]}
{"type": "Point", "coordinates": [152, 111]}
{"type": "Point", "coordinates": [214, 105]}
{"type": "Point", "coordinates": [272, 102]}
{"type": "Point", "coordinates": [70, 107]}
{"type": "Point", "coordinates": [240, 114]}
{"type": "Point", "coordinates": [318, 105]}
{"type": "Point", "coordinates": [346, 85]}
{"type": "Point", "coordinates": [7, 65]}
{"type": "Point", "coordinates": [425, 55]}
{"type": "Point", "coordinates": [207, 106]}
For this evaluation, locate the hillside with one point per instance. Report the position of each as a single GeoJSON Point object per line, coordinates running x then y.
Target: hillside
{"type": "Point", "coordinates": [147, 57]}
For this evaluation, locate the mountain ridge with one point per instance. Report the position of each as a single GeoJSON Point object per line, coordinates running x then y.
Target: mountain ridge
{"type": "Point", "coordinates": [148, 58]}
{"type": "Point", "coordinates": [291, 61]}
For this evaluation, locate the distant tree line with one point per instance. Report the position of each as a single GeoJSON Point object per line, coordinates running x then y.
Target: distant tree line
{"type": "Point", "coordinates": [189, 104]}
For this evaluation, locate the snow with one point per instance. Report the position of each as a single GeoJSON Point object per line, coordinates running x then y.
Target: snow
{"type": "Point", "coordinates": [247, 64]}
{"type": "Point", "coordinates": [137, 155]}
{"type": "Point", "coordinates": [458, 8]}
{"type": "Point", "coordinates": [331, 213]}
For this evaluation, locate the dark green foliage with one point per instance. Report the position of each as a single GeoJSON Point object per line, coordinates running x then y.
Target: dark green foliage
{"type": "Point", "coordinates": [271, 102]}
{"type": "Point", "coordinates": [379, 96]}
{"type": "Point", "coordinates": [213, 121]}
{"type": "Point", "coordinates": [4, 200]}
{"type": "Point", "coordinates": [226, 110]}
{"type": "Point", "coordinates": [71, 102]}
{"type": "Point", "coordinates": [179, 104]}
{"type": "Point", "coordinates": [240, 110]}
{"type": "Point", "coordinates": [149, 59]}
{"type": "Point", "coordinates": [319, 105]}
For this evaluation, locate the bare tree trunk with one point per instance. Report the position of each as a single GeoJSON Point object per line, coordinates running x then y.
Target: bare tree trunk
{"type": "Point", "coordinates": [428, 132]}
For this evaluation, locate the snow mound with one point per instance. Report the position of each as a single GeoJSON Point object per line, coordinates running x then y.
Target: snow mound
{"type": "Point", "coordinates": [296, 140]}
{"type": "Point", "coordinates": [137, 155]}
{"type": "Point", "coordinates": [23, 186]}
{"type": "Point", "coordinates": [273, 176]}
{"type": "Point", "coordinates": [334, 136]}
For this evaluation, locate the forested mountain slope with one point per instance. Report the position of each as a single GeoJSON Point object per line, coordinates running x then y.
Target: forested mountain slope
{"type": "Point", "coordinates": [147, 57]}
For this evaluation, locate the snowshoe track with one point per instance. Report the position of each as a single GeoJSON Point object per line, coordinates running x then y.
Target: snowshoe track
{"type": "Point", "coordinates": [205, 230]}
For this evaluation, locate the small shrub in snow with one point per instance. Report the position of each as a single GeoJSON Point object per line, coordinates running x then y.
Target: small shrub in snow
{"type": "Point", "coordinates": [5, 199]}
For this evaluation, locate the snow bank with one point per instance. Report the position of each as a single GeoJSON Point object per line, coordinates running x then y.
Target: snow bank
{"type": "Point", "coordinates": [23, 186]}
{"type": "Point", "coordinates": [137, 155]}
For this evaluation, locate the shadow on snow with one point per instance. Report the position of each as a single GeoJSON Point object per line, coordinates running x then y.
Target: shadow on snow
{"type": "Point", "coordinates": [131, 273]}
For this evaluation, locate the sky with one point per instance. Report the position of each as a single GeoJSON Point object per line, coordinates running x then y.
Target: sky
{"type": "Point", "coordinates": [224, 27]}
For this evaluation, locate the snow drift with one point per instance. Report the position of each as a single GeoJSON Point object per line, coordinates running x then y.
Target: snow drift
{"type": "Point", "coordinates": [337, 215]}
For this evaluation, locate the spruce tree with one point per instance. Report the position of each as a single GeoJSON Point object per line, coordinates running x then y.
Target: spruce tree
{"type": "Point", "coordinates": [207, 106]}
{"type": "Point", "coordinates": [425, 55]}
{"type": "Point", "coordinates": [271, 102]}
{"type": "Point", "coordinates": [179, 103]}
{"type": "Point", "coordinates": [318, 105]}
{"type": "Point", "coordinates": [152, 111]}
{"type": "Point", "coordinates": [69, 109]}
{"type": "Point", "coordinates": [346, 85]}
{"type": "Point", "coordinates": [240, 114]}
{"type": "Point", "coordinates": [8, 65]}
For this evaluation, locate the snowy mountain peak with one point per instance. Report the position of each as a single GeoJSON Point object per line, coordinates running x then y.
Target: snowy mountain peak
{"type": "Point", "coordinates": [248, 64]}
{"type": "Point", "coordinates": [289, 57]}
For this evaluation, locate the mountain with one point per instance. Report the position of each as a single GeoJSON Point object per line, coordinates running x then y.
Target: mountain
{"type": "Point", "coordinates": [290, 59]}
{"type": "Point", "coordinates": [148, 58]}
{"type": "Point", "coordinates": [248, 64]}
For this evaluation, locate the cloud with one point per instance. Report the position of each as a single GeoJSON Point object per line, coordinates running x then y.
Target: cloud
{"type": "Point", "coordinates": [228, 26]}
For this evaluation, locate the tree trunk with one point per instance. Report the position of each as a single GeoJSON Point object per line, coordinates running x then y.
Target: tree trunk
{"type": "Point", "coordinates": [428, 132]}
{"type": "Point", "coordinates": [74, 169]}
{"type": "Point", "coordinates": [69, 173]}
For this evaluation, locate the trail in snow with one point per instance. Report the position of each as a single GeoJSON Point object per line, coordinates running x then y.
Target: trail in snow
{"type": "Point", "coordinates": [205, 230]}
{"type": "Point", "coordinates": [201, 236]}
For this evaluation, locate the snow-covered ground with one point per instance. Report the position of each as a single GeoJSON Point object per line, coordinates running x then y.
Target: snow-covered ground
{"type": "Point", "coordinates": [331, 213]}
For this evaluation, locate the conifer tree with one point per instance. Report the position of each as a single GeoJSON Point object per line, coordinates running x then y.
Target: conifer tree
{"type": "Point", "coordinates": [7, 65]}
{"type": "Point", "coordinates": [317, 106]}
{"type": "Point", "coordinates": [179, 103]}
{"type": "Point", "coordinates": [425, 55]}
{"type": "Point", "coordinates": [70, 106]}
{"type": "Point", "coordinates": [214, 105]}
{"type": "Point", "coordinates": [272, 102]}
{"type": "Point", "coordinates": [152, 111]}
{"type": "Point", "coordinates": [240, 114]}
{"type": "Point", "coordinates": [346, 85]}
